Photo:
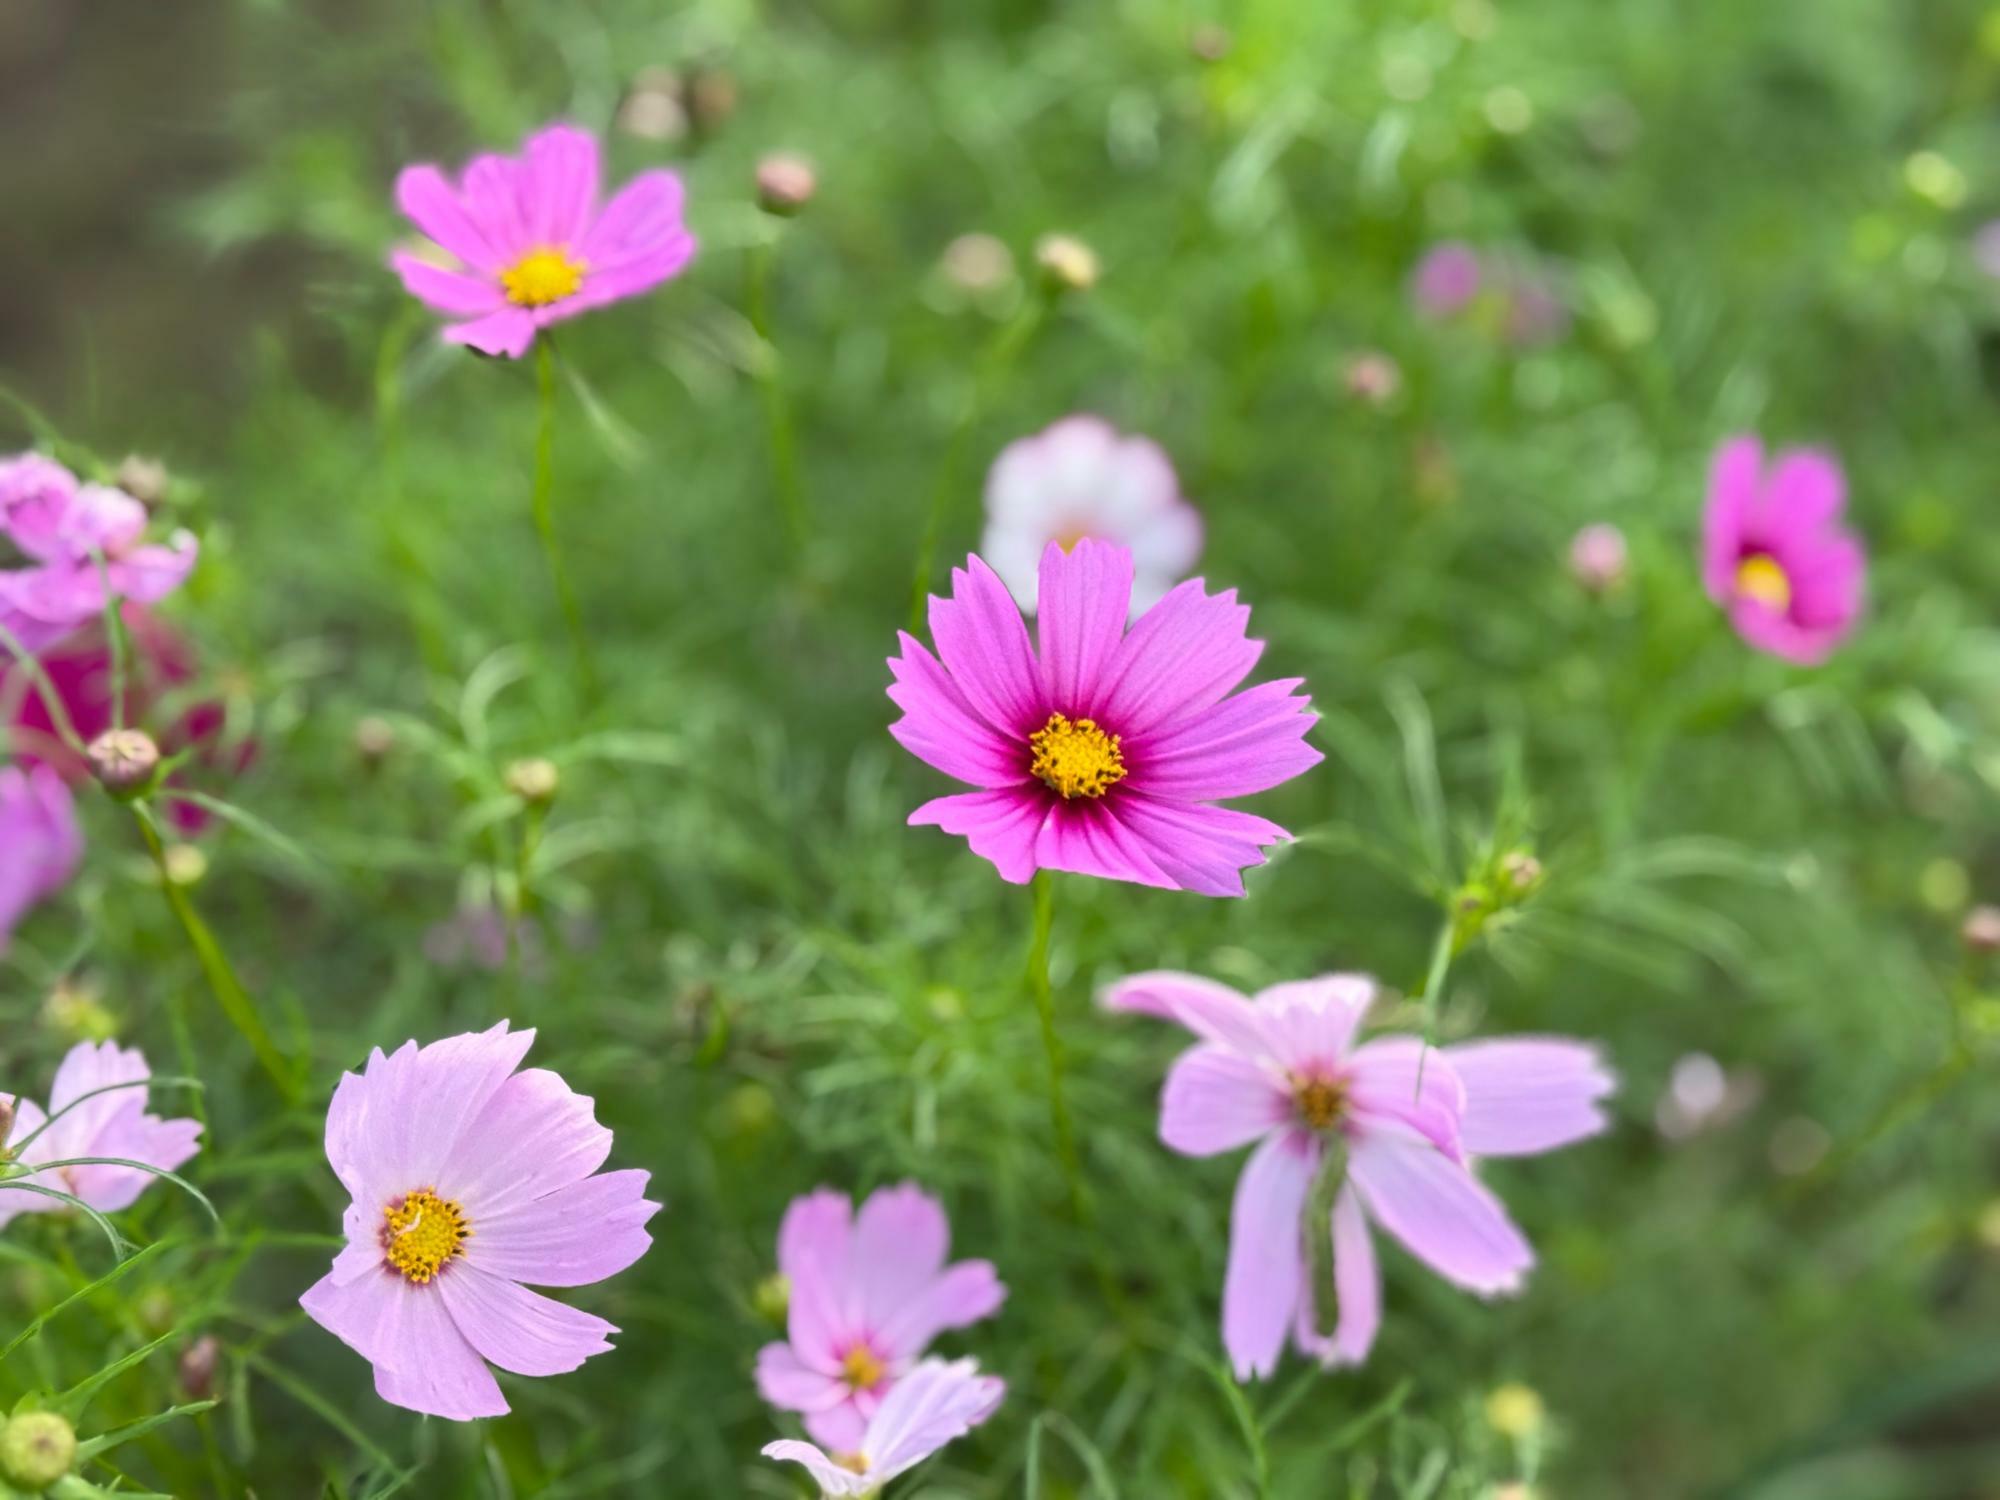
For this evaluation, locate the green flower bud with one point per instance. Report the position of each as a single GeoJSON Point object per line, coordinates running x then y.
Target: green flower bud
{"type": "Point", "coordinates": [36, 1449]}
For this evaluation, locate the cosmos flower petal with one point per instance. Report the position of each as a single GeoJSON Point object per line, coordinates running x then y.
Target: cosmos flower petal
{"type": "Point", "coordinates": [1526, 1095]}
{"type": "Point", "coordinates": [146, 575]}
{"type": "Point", "coordinates": [1085, 838]}
{"type": "Point", "coordinates": [1085, 597]}
{"type": "Point", "coordinates": [1184, 655]}
{"type": "Point", "coordinates": [787, 1382]}
{"type": "Point", "coordinates": [1311, 1022]}
{"type": "Point", "coordinates": [445, 291]}
{"type": "Point", "coordinates": [840, 1428]}
{"type": "Point", "coordinates": [1734, 477]}
{"type": "Point", "coordinates": [901, 1238]}
{"type": "Point", "coordinates": [942, 727]}
{"type": "Point", "coordinates": [517, 1329]}
{"type": "Point", "coordinates": [1260, 1292]}
{"type": "Point", "coordinates": [559, 183]}
{"type": "Point", "coordinates": [83, 1113]}
{"type": "Point", "coordinates": [1440, 1212]}
{"type": "Point", "coordinates": [820, 1317]}
{"type": "Point", "coordinates": [44, 843]}
{"type": "Point", "coordinates": [831, 1478]}
{"type": "Point", "coordinates": [984, 645]}
{"type": "Point", "coordinates": [573, 1236]}
{"type": "Point", "coordinates": [1216, 1100]}
{"type": "Point", "coordinates": [935, 1404]}
{"type": "Point", "coordinates": [1357, 1281]}
{"type": "Point", "coordinates": [164, 1144]}
{"type": "Point", "coordinates": [644, 216]}
{"type": "Point", "coordinates": [814, 1235]}
{"type": "Point", "coordinates": [29, 1117]}
{"type": "Point", "coordinates": [506, 333]}
{"type": "Point", "coordinates": [436, 1371]}
{"type": "Point", "coordinates": [491, 192]}
{"type": "Point", "coordinates": [1001, 826]}
{"type": "Point", "coordinates": [1404, 1080]}
{"type": "Point", "coordinates": [1247, 743]}
{"type": "Point", "coordinates": [965, 1293]}
{"type": "Point", "coordinates": [535, 1134]}
{"type": "Point", "coordinates": [430, 202]}
{"type": "Point", "coordinates": [1200, 848]}
{"type": "Point", "coordinates": [1806, 492]}
{"type": "Point", "coordinates": [1214, 1012]}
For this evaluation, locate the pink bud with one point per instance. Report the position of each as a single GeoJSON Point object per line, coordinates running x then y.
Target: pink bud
{"type": "Point", "coordinates": [1597, 557]}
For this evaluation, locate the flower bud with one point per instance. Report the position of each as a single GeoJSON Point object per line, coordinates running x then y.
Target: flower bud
{"type": "Point", "coordinates": [143, 478]}
{"type": "Point", "coordinates": [785, 184]}
{"type": "Point", "coordinates": [373, 740]}
{"type": "Point", "coordinates": [1372, 377]}
{"type": "Point", "coordinates": [1067, 264]}
{"type": "Point", "coordinates": [124, 761]}
{"type": "Point", "coordinates": [1597, 558]}
{"type": "Point", "coordinates": [1521, 871]}
{"type": "Point", "coordinates": [1514, 1411]}
{"type": "Point", "coordinates": [197, 1367]}
{"type": "Point", "coordinates": [978, 263]}
{"type": "Point", "coordinates": [535, 781]}
{"type": "Point", "coordinates": [773, 1298]}
{"type": "Point", "coordinates": [1209, 42]}
{"type": "Point", "coordinates": [653, 111]}
{"type": "Point", "coordinates": [36, 1449]}
{"type": "Point", "coordinates": [1981, 929]}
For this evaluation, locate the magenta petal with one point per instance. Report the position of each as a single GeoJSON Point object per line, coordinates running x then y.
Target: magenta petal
{"type": "Point", "coordinates": [983, 642]}
{"type": "Point", "coordinates": [1001, 826]}
{"type": "Point", "coordinates": [1085, 595]}
{"type": "Point", "coordinates": [517, 1329]}
{"type": "Point", "coordinates": [492, 197]}
{"type": "Point", "coordinates": [1734, 478]}
{"type": "Point", "coordinates": [786, 1383]}
{"type": "Point", "coordinates": [1183, 655]}
{"type": "Point", "coordinates": [1525, 1095]}
{"type": "Point", "coordinates": [632, 274]}
{"type": "Point", "coordinates": [1405, 1081]}
{"type": "Point", "coordinates": [820, 1319]}
{"type": "Point", "coordinates": [1201, 849]}
{"type": "Point", "coordinates": [447, 291]}
{"type": "Point", "coordinates": [943, 728]}
{"type": "Point", "coordinates": [146, 575]}
{"type": "Point", "coordinates": [559, 176]}
{"type": "Point", "coordinates": [644, 214]}
{"type": "Point", "coordinates": [424, 195]}
{"type": "Point", "coordinates": [1440, 1212]}
{"type": "Point", "coordinates": [506, 334]}
{"type": "Point", "coordinates": [1084, 837]}
{"type": "Point", "coordinates": [571, 1237]}
{"type": "Point", "coordinates": [962, 1295]}
{"type": "Point", "coordinates": [1260, 1292]}
{"type": "Point", "coordinates": [1216, 1100]}
{"type": "Point", "coordinates": [1244, 744]}
{"type": "Point", "coordinates": [1805, 492]}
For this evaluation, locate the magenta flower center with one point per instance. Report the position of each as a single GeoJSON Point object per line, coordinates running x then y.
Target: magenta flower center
{"type": "Point", "coordinates": [421, 1232]}
{"type": "Point", "coordinates": [1321, 1102]}
{"type": "Point", "coordinates": [1076, 759]}
{"type": "Point", "coordinates": [861, 1369]}
{"type": "Point", "coordinates": [541, 277]}
{"type": "Point", "coordinates": [1759, 576]}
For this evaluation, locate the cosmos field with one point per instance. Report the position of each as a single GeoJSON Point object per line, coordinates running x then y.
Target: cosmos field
{"type": "Point", "coordinates": [1119, 751]}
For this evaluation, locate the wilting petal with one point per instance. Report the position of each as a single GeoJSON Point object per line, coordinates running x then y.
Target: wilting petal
{"type": "Point", "coordinates": [1525, 1095]}
{"type": "Point", "coordinates": [517, 1329]}
{"type": "Point", "coordinates": [1266, 1251]}
{"type": "Point", "coordinates": [1217, 1100]}
{"type": "Point", "coordinates": [1440, 1212]}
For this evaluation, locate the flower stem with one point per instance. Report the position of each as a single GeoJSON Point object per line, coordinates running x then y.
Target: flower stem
{"type": "Point", "coordinates": [1038, 984]}
{"type": "Point", "coordinates": [545, 520]}
{"type": "Point", "coordinates": [222, 981]}
{"type": "Point", "coordinates": [777, 409]}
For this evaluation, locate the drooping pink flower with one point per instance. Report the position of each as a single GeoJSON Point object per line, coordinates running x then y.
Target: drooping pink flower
{"type": "Point", "coordinates": [76, 538]}
{"type": "Point", "coordinates": [937, 1403]}
{"type": "Point", "coordinates": [113, 1123]}
{"type": "Point", "coordinates": [1401, 1120]}
{"type": "Point", "coordinates": [470, 1181]}
{"type": "Point", "coordinates": [1446, 280]}
{"type": "Point", "coordinates": [40, 842]}
{"type": "Point", "coordinates": [1774, 553]}
{"type": "Point", "coordinates": [532, 242]}
{"type": "Point", "coordinates": [1081, 477]}
{"type": "Point", "coordinates": [868, 1294]}
{"type": "Point", "coordinates": [1104, 751]}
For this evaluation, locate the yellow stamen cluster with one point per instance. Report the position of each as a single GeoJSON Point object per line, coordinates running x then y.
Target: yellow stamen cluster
{"type": "Point", "coordinates": [541, 277]}
{"type": "Point", "coordinates": [1076, 759]}
{"type": "Point", "coordinates": [420, 1232]}
{"type": "Point", "coordinates": [1321, 1102]}
{"type": "Point", "coordinates": [1760, 577]}
{"type": "Point", "coordinates": [861, 1369]}
{"type": "Point", "coordinates": [854, 1463]}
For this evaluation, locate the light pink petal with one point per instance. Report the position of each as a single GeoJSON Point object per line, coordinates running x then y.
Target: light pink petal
{"type": "Point", "coordinates": [1185, 654]}
{"type": "Point", "coordinates": [450, 292]}
{"type": "Point", "coordinates": [86, 1069]}
{"type": "Point", "coordinates": [1311, 1022]}
{"type": "Point", "coordinates": [517, 1329]}
{"type": "Point", "coordinates": [1440, 1212]}
{"type": "Point", "coordinates": [428, 200]}
{"type": "Point", "coordinates": [1084, 597]}
{"type": "Point", "coordinates": [1805, 493]}
{"type": "Point", "coordinates": [433, 1368]}
{"type": "Point", "coordinates": [559, 178]}
{"type": "Point", "coordinates": [1001, 826]}
{"type": "Point", "coordinates": [831, 1478]}
{"type": "Point", "coordinates": [841, 1427]}
{"type": "Point", "coordinates": [166, 1144]}
{"type": "Point", "coordinates": [1217, 1100]}
{"type": "Point", "coordinates": [44, 843]}
{"type": "Point", "coordinates": [981, 637]}
{"type": "Point", "coordinates": [933, 1405]}
{"type": "Point", "coordinates": [645, 214]}
{"type": "Point", "coordinates": [901, 1238]}
{"type": "Point", "coordinates": [535, 1134]}
{"type": "Point", "coordinates": [1525, 1095]}
{"type": "Point", "coordinates": [1402, 1081]}
{"type": "Point", "coordinates": [1357, 1281]}
{"type": "Point", "coordinates": [1214, 1012]}
{"type": "Point", "coordinates": [962, 1295]}
{"type": "Point", "coordinates": [1245, 744]}
{"type": "Point", "coordinates": [942, 728]}
{"type": "Point", "coordinates": [1201, 849]}
{"type": "Point", "coordinates": [1260, 1292]}
{"type": "Point", "coordinates": [1083, 836]}
{"type": "Point", "coordinates": [506, 334]}
{"type": "Point", "coordinates": [571, 1237]}
{"type": "Point", "coordinates": [146, 575]}
{"type": "Point", "coordinates": [1734, 479]}
{"type": "Point", "coordinates": [814, 1234]}
{"type": "Point", "coordinates": [785, 1382]}
{"type": "Point", "coordinates": [28, 1118]}
{"type": "Point", "coordinates": [448, 1086]}
{"type": "Point", "coordinates": [820, 1318]}
{"type": "Point", "coordinates": [37, 496]}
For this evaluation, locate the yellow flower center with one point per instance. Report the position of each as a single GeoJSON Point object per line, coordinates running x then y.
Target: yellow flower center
{"type": "Point", "coordinates": [1759, 577]}
{"type": "Point", "coordinates": [541, 277]}
{"type": "Point", "coordinates": [861, 1369]}
{"type": "Point", "coordinates": [1070, 535]}
{"type": "Point", "coordinates": [1321, 1101]}
{"type": "Point", "coordinates": [422, 1231]}
{"type": "Point", "coordinates": [854, 1463]}
{"type": "Point", "coordinates": [1077, 759]}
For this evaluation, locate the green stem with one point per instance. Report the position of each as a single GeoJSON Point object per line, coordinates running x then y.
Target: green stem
{"type": "Point", "coordinates": [545, 519]}
{"type": "Point", "coordinates": [1045, 1006]}
{"type": "Point", "coordinates": [222, 981]}
{"type": "Point", "coordinates": [777, 409]}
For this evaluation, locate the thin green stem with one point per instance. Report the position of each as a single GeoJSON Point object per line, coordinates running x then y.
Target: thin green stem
{"type": "Point", "coordinates": [1045, 1007]}
{"type": "Point", "coordinates": [544, 504]}
{"type": "Point", "coordinates": [222, 981]}
{"type": "Point", "coordinates": [777, 408]}
{"type": "Point", "coordinates": [52, 702]}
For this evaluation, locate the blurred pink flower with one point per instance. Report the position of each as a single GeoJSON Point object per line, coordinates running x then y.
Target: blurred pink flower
{"type": "Point", "coordinates": [1105, 752]}
{"type": "Point", "coordinates": [109, 1124]}
{"type": "Point", "coordinates": [936, 1404]}
{"type": "Point", "coordinates": [40, 842]}
{"type": "Point", "coordinates": [1399, 1119]}
{"type": "Point", "coordinates": [533, 244]}
{"type": "Point", "coordinates": [1446, 280]}
{"type": "Point", "coordinates": [1536, 310]}
{"type": "Point", "coordinates": [468, 1179]}
{"type": "Point", "coordinates": [1986, 247]}
{"type": "Point", "coordinates": [868, 1294]}
{"type": "Point", "coordinates": [1598, 558]}
{"type": "Point", "coordinates": [1078, 478]}
{"type": "Point", "coordinates": [1774, 553]}
{"type": "Point", "coordinates": [76, 538]}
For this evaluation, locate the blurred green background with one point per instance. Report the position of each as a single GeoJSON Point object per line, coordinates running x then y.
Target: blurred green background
{"type": "Point", "coordinates": [1760, 217]}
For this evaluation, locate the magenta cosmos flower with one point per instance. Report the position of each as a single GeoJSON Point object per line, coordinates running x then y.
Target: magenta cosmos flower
{"type": "Point", "coordinates": [63, 528]}
{"type": "Point", "coordinates": [868, 1294]}
{"type": "Point", "coordinates": [468, 1180]}
{"type": "Point", "coordinates": [1103, 752]}
{"type": "Point", "coordinates": [40, 843]}
{"type": "Point", "coordinates": [1082, 477]}
{"type": "Point", "coordinates": [1283, 1070]}
{"type": "Point", "coordinates": [531, 243]}
{"type": "Point", "coordinates": [1774, 553]}
{"type": "Point", "coordinates": [83, 1122]}
{"type": "Point", "coordinates": [1447, 279]}
{"type": "Point", "coordinates": [935, 1404]}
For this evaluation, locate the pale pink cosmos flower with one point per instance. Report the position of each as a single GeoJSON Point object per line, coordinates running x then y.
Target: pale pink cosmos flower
{"type": "Point", "coordinates": [83, 1122]}
{"type": "Point", "coordinates": [1774, 552]}
{"type": "Point", "coordinates": [869, 1291]}
{"type": "Point", "coordinates": [1082, 477]}
{"type": "Point", "coordinates": [1446, 280]}
{"type": "Point", "coordinates": [468, 1180]}
{"type": "Point", "coordinates": [76, 538]}
{"type": "Point", "coordinates": [533, 243]}
{"type": "Point", "coordinates": [1403, 1120]}
{"type": "Point", "coordinates": [935, 1404]}
{"type": "Point", "coordinates": [40, 842]}
{"type": "Point", "coordinates": [1598, 557]}
{"type": "Point", "coordinates": [1104, 751]}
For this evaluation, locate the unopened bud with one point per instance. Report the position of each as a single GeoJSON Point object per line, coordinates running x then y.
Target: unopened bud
{"type": "Point", "coordinates": [197, 1367]}
{"type": "Point", "coordinates": [144, 479]}
{"type": "Point", "coordinates": [124, 761]}
{"type": "Point", "coordinates": [785, 184]}
{"type": "Point", "coordinates": [1067, 264]}
{"type": "Point", "coordinates": [653, 110]}
{"type": "Point", "coordinates": [711, 98]}
{"type": "Point", "coordinates": [1522, 871]}
{"type": "Point", "coordinates": [186, 865]}
{"type": "Point", "coordinates": [1209, 42]}
{"type": "Point", "coordinates": [1372, 377]}
{"type": "Point", "coordinates": [535, 781]}
{"type": "Point", "coordinates": [1514, 1410]}
{"type": "Point", "coordinates": [1597, 557]}
{"type": "Point", "coordinates": [1981, 929]}
{"type": "Point", "coordinates": [36, 1449]}
{"type": "Point", "coordinates": [978, 263]}
{"type": "Point", "coordinates": [773, 1298]}
{"type": "Point", "coordinates": [373, 740]}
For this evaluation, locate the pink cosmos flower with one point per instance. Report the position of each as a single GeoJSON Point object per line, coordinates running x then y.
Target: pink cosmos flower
{"type": "Point", "coordinates": [40, 842]}
{"type": "Point", "coordinates": [109, 1124]}
{"type": "Point", "coordinates": [1446, 280]}
{"type": "Point", "coordinates": [1082, 477]}
{"type": "Point", "coordinates": [469, 1179]}
{"type": "Point", "coordinates": [868, 1294]}
{"type": "Point", "coordinates": [1598, 557]}
{"type": "Point", "coordinates": [531, 242]}
{"type": "Point", "coordinates": [63, 527]}
{"type": "Point", "coordinates": [1400, 1119]}
{"type": "Point", "coordinates": [937, 1403]}
{"type": "Point", "coordinates": [1104, 751]}
{"type": "Point", "coordinates": [1774, 553]}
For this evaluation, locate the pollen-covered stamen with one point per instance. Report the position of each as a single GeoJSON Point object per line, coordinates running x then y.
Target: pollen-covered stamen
{"type": "Point", "coordinates": [543, 276]}
{"type": "Point", "coordinates": [1760, 576]}
{"type": "Point", "coordinates": [420, 1232]}
{"type": "Point", "coordinates": [854, 1463]}
{"type": "Point", "coordinates": [1076, 758]}
{"type": "Point", "coordinates": [1321, 1102]}
{"type": "Point", "coordinates": [862, 1370]}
